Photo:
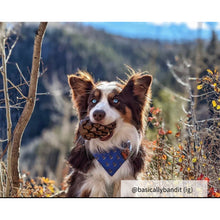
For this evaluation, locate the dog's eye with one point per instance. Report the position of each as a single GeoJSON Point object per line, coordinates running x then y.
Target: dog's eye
{"type": "Point", "coordinates": [94, 101]}
{"type": "Point", "coordinates": [115, 100]}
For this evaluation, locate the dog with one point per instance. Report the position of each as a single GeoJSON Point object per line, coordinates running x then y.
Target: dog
{"type": "Point", "coordinates": [124, 103]}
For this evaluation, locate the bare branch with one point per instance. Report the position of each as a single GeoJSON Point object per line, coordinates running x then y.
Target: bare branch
{"type": "Point", "coordinates": [9, 52]}
{"type": "Point", "coordinates": [7, 104]}
{"type": "Point", "coordinates": [12, 47]}
{"type": "Point", "coordinates": [170, 91]}
{"type": "Point", "coordinates": [175, 76]}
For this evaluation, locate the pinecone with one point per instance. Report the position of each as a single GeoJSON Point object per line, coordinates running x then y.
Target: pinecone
{"type": "Point", "coordinates": [89, 130]}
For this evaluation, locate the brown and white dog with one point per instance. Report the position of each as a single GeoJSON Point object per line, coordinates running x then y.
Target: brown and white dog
{"type": "Point", "coordinates": [106, 102]}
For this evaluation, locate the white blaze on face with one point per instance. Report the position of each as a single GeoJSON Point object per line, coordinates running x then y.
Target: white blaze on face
{"type": "Point", "coordinates": [111, 114]}
{"type": "Point", "coordinates": [123, 132]}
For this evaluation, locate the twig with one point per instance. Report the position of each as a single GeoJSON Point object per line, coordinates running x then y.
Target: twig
{"type": "Point", "coordinates": [44, 69]}
{"type": "Point", "coordinates": [43, 93]}
{"type": "Point", "coordinates": [22, 84]}
{"type": "Point", "coordinates": [209, 119]}
{"type": "Point", "coordinates": [13, 85]}
{"type": "Point", "coordinates": [193, 78]}
{"type": "Point", "coordinates": [11, 106]}
{"type": "Point", "coordinates": [186, 124]}
{"type": "Point", "coordinates": [3, 141]}
{"type": "Point", "coordinates": [204, 94]}
{"type": "Point", "coordinates": [19, 70]}
{"type": "Point", "coordinates": [20, 103]}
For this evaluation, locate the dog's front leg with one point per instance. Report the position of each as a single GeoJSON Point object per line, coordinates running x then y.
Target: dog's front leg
{"type": "Point", "coordinates": [94, 187]}
{"type": "Point", "coordinates": [117, 187]}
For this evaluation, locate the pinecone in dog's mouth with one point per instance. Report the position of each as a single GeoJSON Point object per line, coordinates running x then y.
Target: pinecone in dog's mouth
{"type": "Point", "coordinates": [89, 130]}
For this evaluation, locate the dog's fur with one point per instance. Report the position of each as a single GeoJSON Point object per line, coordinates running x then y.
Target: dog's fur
{"type": "Point", "coordinates": [89, 179]}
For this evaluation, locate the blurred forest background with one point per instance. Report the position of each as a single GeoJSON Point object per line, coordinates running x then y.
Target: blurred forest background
{"type": "Point", "coordinates": [68, 46]}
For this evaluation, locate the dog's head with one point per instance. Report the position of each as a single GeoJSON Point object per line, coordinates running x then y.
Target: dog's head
{"type": "Point", "coordinates": [108, 102]}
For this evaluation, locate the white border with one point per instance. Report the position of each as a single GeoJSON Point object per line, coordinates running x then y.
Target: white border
{"type": "Point", "coordinates": [114, 10]}
{"type": "Point", "coordinates": [109, 209]}
{"type": "Point", "coordinates": [109, 10]}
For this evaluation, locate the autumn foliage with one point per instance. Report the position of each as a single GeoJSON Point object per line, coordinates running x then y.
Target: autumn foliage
{"type": "Point", "coordinates": [189, 153]}
{"type": "Point", "coordinates": [38, 187]}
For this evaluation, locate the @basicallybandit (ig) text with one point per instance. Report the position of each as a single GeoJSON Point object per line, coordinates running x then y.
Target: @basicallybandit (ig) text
{"type": "Point", "coordinates": [163, 188]}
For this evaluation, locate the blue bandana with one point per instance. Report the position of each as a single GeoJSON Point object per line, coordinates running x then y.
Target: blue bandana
{"type": "Point", "coordinates": [113, 159]}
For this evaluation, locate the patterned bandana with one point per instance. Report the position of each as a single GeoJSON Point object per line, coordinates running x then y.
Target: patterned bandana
{"type": "Point", "coordinates": [113, 159]}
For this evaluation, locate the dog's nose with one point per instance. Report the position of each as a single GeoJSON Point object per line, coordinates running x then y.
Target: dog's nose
{"type": "Point", "coordinates": [98, 115]}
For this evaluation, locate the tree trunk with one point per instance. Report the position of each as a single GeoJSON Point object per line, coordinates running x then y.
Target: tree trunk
{"type": "Point", "coordinates": [28, 108]}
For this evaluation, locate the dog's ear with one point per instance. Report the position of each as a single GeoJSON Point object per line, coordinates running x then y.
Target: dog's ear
{"type": "Point", "coordinates": [142, 86]}
{"type": "Point", "coordinates": [136, 94]}
{"type": "Point", "coordinates": [81, 85]}
{"type": "Point", "coordinates": [139, 86]}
